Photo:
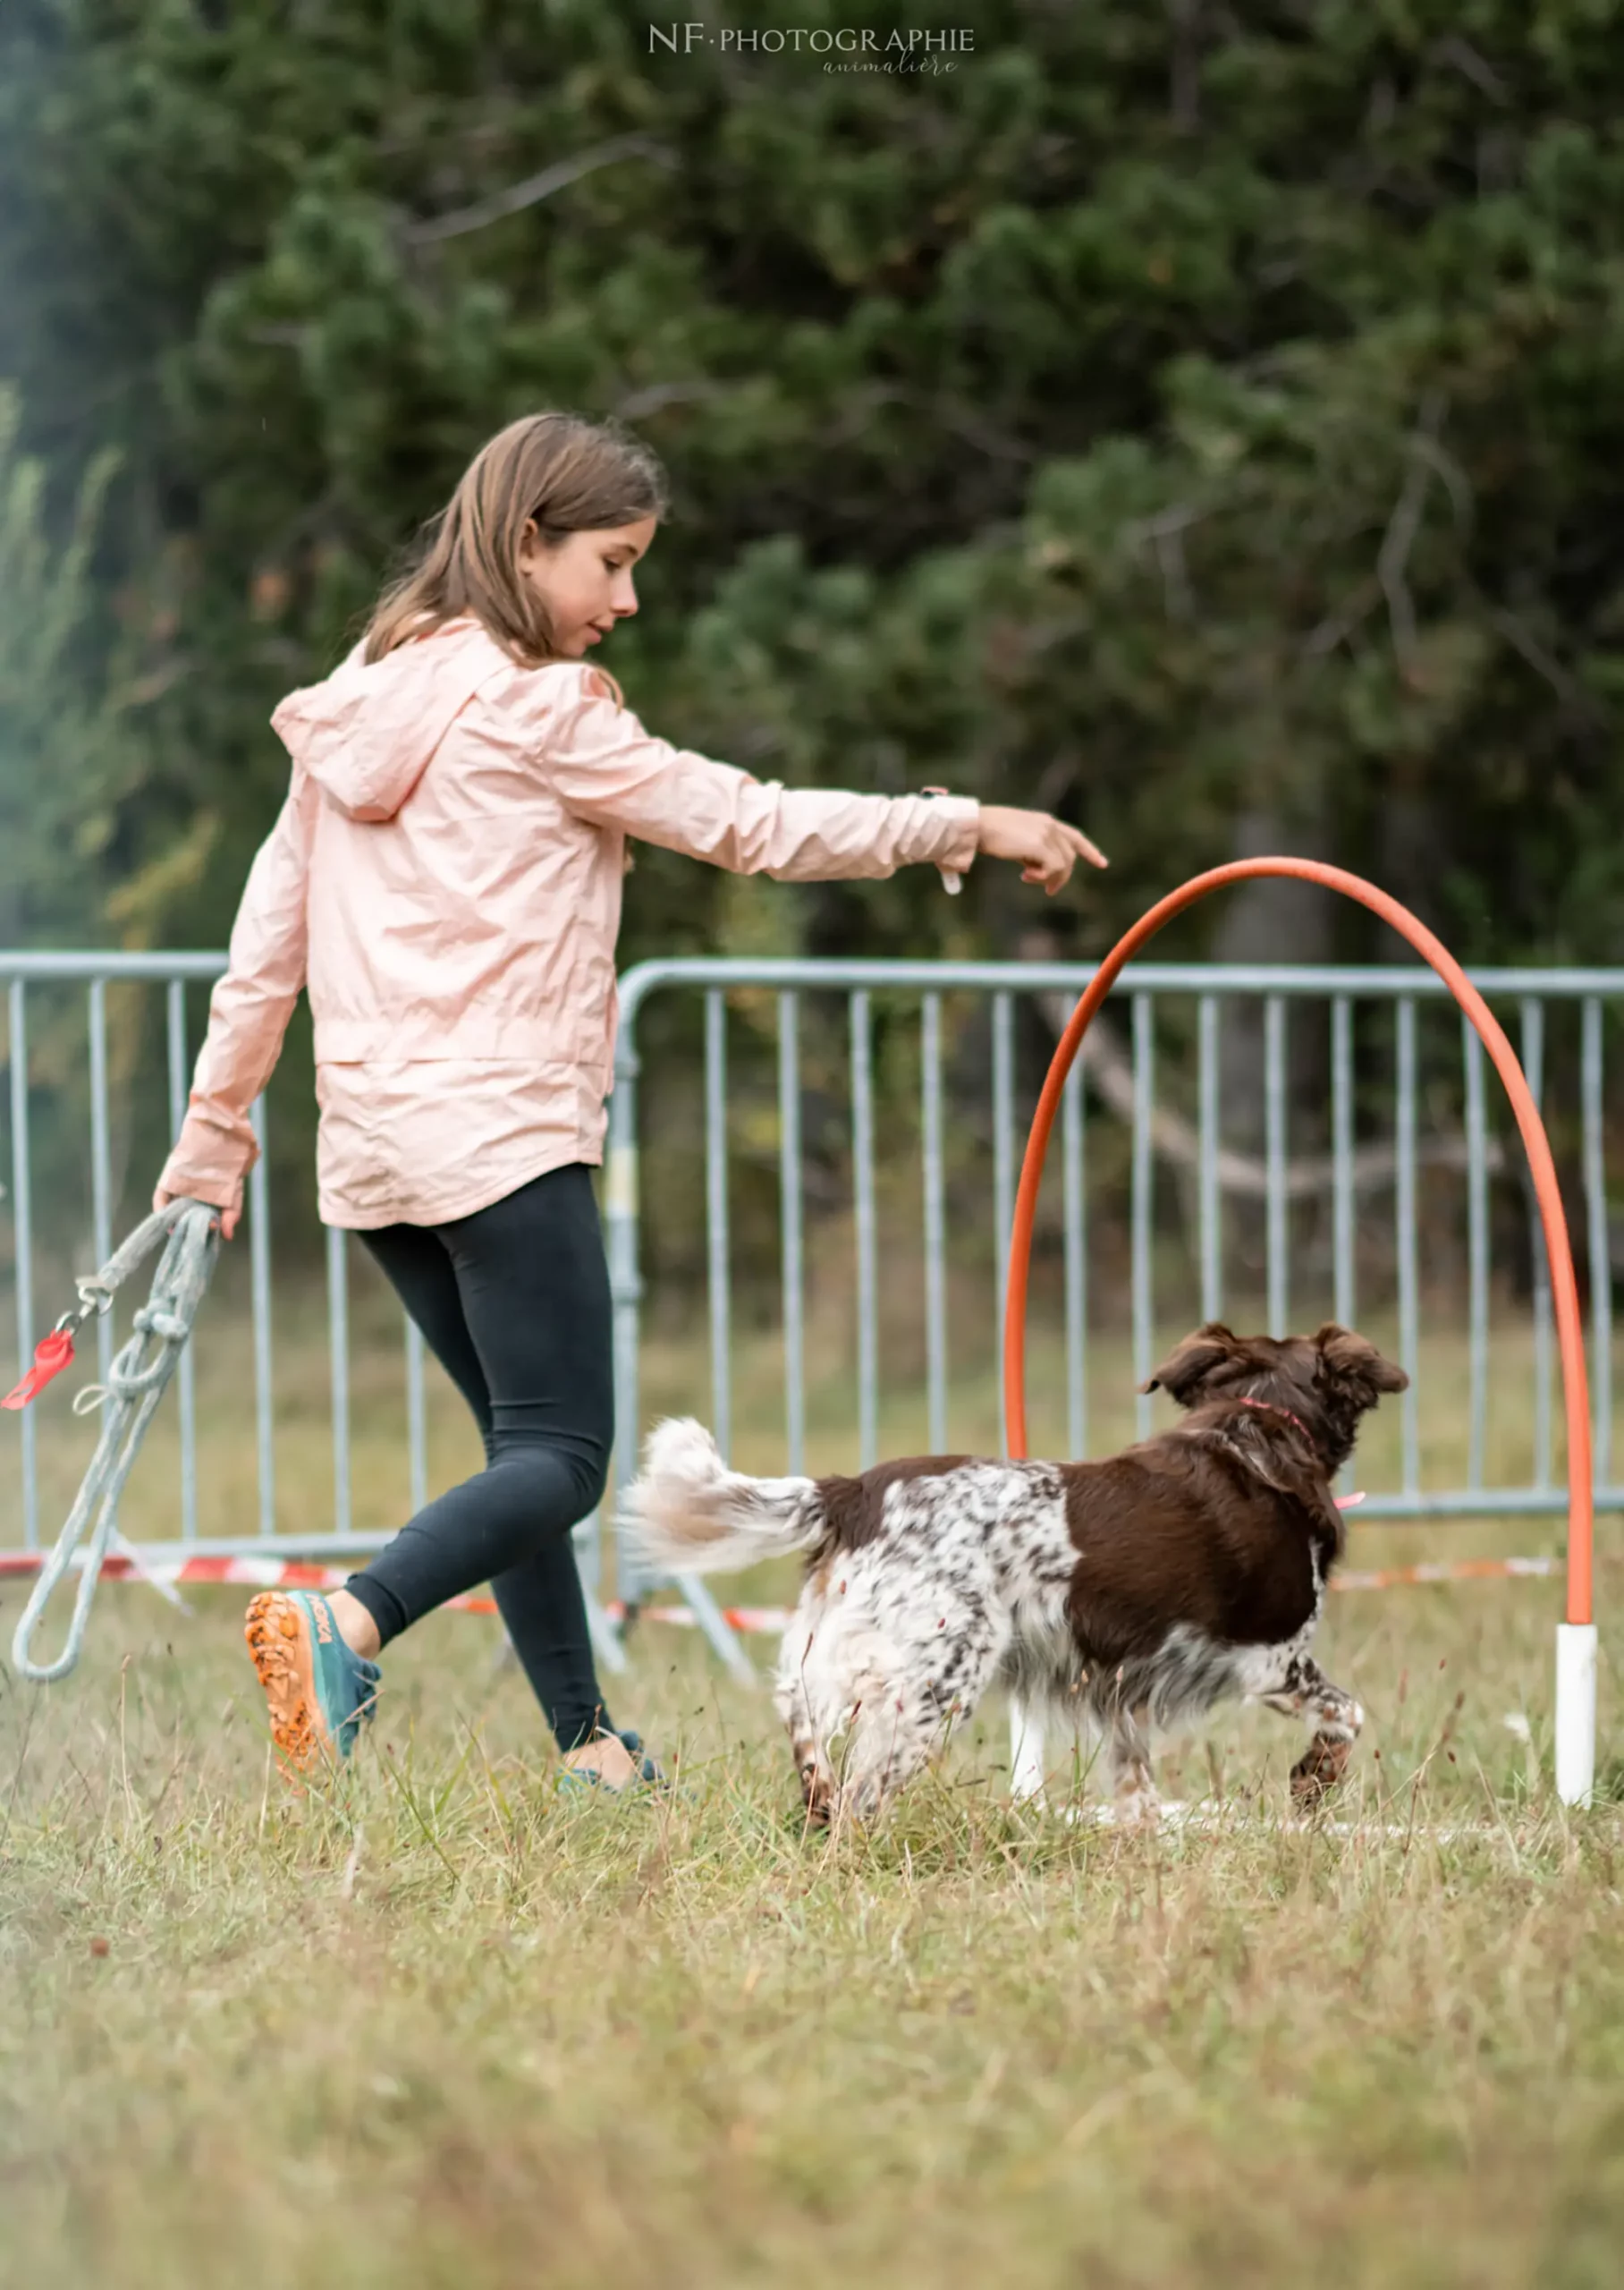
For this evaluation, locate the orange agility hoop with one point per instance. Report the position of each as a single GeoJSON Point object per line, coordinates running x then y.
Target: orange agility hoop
{"type": "Point", "coordinates": [1576, 1638]}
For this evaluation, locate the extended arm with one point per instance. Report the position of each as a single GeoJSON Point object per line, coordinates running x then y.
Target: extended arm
{"type": "Point", "coordinates": [607, 769]}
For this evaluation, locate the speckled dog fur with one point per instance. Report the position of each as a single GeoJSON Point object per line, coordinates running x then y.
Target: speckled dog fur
{"type": "Point", "coordinates": [1126, 1594]}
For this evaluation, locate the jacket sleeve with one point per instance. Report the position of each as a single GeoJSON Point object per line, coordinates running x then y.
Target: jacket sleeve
{"type": "Point", "coordinates": [247, 1012]}
{"type": "Point", "coordinates": [605, 767]}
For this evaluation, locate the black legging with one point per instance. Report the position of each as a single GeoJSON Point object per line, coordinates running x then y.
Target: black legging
{"type": "Point", "coordinates": [514, 1302]}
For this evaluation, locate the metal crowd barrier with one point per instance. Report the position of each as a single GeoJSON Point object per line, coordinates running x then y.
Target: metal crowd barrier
{"type": "Point", "coordinates": [1527, 995]}
{"type": "Point", "coordinates": [1529, 992]}
{"type": "Point", "coordinates": [20, 1529]}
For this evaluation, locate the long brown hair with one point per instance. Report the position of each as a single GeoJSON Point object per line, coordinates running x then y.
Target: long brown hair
{"type": "Point", "coordinates": [568, 474]}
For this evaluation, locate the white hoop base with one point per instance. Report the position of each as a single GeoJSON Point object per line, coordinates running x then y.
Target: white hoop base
{"type": "Point", "coordinates": [1575, 1711]}
{"type": "Point", "coordinates": [1026, 1753]}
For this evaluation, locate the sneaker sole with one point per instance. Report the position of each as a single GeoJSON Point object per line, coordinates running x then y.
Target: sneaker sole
{"type": "Point", "coordinates": [279, 1644]}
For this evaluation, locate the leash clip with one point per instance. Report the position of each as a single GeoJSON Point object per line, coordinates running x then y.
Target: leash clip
{"type": "Point", "coordinates": [53, 1352]}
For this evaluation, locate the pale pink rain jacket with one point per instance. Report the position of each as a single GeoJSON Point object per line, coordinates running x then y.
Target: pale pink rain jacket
{"type": "Point", "coordinates": [445, 878]}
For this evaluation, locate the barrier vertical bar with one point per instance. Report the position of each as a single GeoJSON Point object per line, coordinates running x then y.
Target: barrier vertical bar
{"type": "Point", "coordinates": [862, 1155]}
{"type": "Point", "coordinates": [717, 1273]}
{"type": "Point", "coordinates": [417, 1416]}
{"type": "Point", "coordinates": [1596, 1240]}
{"type": "Point", "coordinates": [259, 1280]}
{"type": "Point", "coordinates": [1344, 1228]}
{"type": "Point", "coordinates": [1532, 1014]}
{"type": "Point", "coordinates": [22, 1228]}
{"type": "Point", "coordinates": [1477, 1252]}
{"type": "Point", "coordinates": [1003, 1160]}
{"type": "Point", "coordinates": [1409, 1314]}
{"type": "Point", "coordinates": [1211, 1198]}
{"type": "Point", "coordinates": [619, 1199]}
{"type": "Point", "coordinates": [1076, 1265]}
{"type": "Point", "coordinates": [790, 1210]}
{"type": "Point", "coordinates": [621, 1209]}
{"type": "Point", "coordinates": [186, 1374]}
{"type": "Point", "coordinates": [338, 1369]}
{"type": "Point", "coordinates": [935, 1225]}
{"type": "Point", "coordinates": [1140, 1237]}
{"type": "Point", "coordinates": [620, 1212]}
{"type": "Point", "coordinates": [101, 1166]}
{"type": "Point", "coordinates": [1274, 1116]}
{"type": "Point", "coordinates": [622, 1196]}
{"type": "Point", "coordinates": [587, 1535]}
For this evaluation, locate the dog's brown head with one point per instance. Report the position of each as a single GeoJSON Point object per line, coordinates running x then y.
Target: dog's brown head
{"type": "Point", "coordinates": [1327, 1380]}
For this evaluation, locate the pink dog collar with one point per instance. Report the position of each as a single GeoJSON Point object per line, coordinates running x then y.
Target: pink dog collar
{"type": "Point", "coordinates": [1269, 1408]}
{"type": "Point", "coordinates": [1343, 1502]}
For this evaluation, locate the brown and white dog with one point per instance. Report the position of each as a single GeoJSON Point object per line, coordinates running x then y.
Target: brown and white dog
{"type": "Point", "coordinates": [1122, 1595]}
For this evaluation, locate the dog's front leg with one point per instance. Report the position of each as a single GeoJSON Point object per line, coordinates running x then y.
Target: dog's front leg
{"type": "Point", "coordinates": [1306, 1691]}
{"type": "Point", "coordinates": [1132, 1784]}
{"type": "Point", "coordinates": [812, 1766]}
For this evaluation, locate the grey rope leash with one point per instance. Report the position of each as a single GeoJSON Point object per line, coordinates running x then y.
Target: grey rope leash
{"type": "Point", "coordinates": [136, 1383]}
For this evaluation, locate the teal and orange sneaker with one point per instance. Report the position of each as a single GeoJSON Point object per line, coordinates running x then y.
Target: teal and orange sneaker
{"type": "Point", "coordinates": [587, 1776]}
{"type": "Point", "coordinates": [319, 1694]}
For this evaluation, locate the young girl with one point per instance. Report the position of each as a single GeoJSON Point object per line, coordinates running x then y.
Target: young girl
{"type": "Point", "coordinates": [444, 878]}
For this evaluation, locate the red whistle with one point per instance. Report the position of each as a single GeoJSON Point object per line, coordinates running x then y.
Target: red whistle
{"type": "Point", "coordinates": [52, 1354]}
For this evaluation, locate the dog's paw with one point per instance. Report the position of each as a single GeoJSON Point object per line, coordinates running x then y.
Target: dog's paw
{"type": "Point", "coordinates": [1320, 1768]}
{"type": "Point", "coordinates": [1137, 1809]}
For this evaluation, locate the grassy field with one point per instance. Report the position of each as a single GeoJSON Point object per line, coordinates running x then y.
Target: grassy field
{"type": "Point", "coordinates": [437, 2026]}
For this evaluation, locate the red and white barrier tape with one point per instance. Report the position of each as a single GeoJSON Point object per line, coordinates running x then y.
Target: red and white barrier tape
{"type": "Point", "coordinates": [285, 1574]}
{"type": "Point", "coordinates": [1445, 1570]}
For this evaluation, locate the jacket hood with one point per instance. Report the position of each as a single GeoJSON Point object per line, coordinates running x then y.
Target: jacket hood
{"type": "Point", "coordinates": [366, 733]}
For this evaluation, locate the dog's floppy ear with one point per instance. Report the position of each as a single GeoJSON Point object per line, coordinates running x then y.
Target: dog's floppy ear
{"type": "Point", "coordinates": [1353, 1362]}
{"type": "Point", "coordinates": [1189, 1364]}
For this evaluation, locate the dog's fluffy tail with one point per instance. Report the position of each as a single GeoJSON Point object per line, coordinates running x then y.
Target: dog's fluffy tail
{"type": "Point", "coordinates": [688, 1512]}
